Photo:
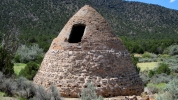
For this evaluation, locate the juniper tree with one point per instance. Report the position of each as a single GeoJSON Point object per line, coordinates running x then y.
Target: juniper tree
{"type": "Point", "coordinates": [8, 48]}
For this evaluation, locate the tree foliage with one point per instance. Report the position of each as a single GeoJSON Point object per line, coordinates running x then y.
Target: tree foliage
{"type": "Point", "coordinates": [142, 27]}
{"type": "Point", "coordinates": [25, 54]}
{"type": "Point", "coordinates": [151, 73]}
{"type": "Point", "coordinates": [162, 68]}
{"type": "Point", "coordinates": [30, 70]}
{"type": "Point", "coordinates": [6, 65]}
{"type": "Point", "coordinates": [8, 47]}
{"type": "Point", "coordinates": [172, 50]}
{"type": "Point", "coordinates": [135, 61]}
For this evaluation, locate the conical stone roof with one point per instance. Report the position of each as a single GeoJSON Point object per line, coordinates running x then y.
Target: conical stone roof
{"type": "Point", "coordinates": [87, 50]}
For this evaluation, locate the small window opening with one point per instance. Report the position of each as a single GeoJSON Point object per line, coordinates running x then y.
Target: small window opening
{"type": "Point", "coordinates": [98, 85]}
{"type": "Point", "coordinates": [85, 86]}
{"type": "Point", "coordinates": [76, 33]}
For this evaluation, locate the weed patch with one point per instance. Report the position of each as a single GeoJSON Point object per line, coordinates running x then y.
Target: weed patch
{"type": "Point", "coordinates": [147, 65]}
{"type": "Point", "coordinates": [18, 67]}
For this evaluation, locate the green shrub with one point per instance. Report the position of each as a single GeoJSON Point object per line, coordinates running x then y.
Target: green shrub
{"type": "Point", "coordinates": [146, 55]}
{"type": "Point", "coordinates": [144, 76]}
{"type": "Point", "coordinates": [172, 62]}
{"type": "Point", "coordinates": [164, 96]}
{"type": "Point", "coordinates": [174, 69]}
{"type": "Point", "coordinates": [170, 92]}
{"type": "Point", "coordinates": [155, 88]}
{"type": "Point", "coordinates": [6, 65]}
{"type": "Point", "coordinates": [17, 58]}
{"type": "Point", "coordinates": [171, 50]}
{"type": "Point", "coordinates": [9, 87]}
{"type": "Point", "coordinates": [160, 74]}
{"type": "Point", "coordinates": [161, 78]}
{"type": "Point", "coordinates": [26, 89]}
{"type": "Point", "coordinates": [30, 70]}
{"type": "Point", "coordinates": [25, 54]}
{"type": "Point", "coordinates": [147, 59]}
{"type": "Point", "coordinates": [145, 79]}
{"type": "Point", "coordinates": [164, 55]}
{"type": "Point", "coordinates": [135, 61]}
{"type": "Point", "coordinates": [55, 93]}
{"type": "Point", "coordinates": [89, 93]}
{"type": "Point", "coordinates": [152, 88]}
{"type": "Point", "coordinates": [172, 88]}
{"type": "Point", "coordinates": [149, 55]}
{"type": "Point", "coordinates": [42, 94]}
{"type": "Point", "coordinates": [39, 59]}
{"type": "Point", "coordinates": [151, 73]}
{"type": "Point", "coordinates": [163, 68]}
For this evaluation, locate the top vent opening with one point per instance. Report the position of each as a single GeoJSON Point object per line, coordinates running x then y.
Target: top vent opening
{"type": "Point", "coordinates": [76, 33]}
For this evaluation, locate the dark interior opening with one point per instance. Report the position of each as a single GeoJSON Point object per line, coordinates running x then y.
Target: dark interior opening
{"type": "Point", "coordinates": [76, 33]}
{"type": "Point", "coordinates": [98, 85]}
{"type": "Point", "coordinates": [85, 86]}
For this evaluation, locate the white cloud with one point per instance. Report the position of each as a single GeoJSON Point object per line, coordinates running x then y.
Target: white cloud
{"type": "Point", "coordinates": [172, 1]}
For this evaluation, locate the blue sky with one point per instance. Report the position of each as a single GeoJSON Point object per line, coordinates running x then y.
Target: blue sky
{"type": "Point", "coordinates": [172, 4]}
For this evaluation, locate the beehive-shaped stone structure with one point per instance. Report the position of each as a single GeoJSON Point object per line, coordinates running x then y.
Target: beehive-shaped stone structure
{"type": "Point", "coordinates": [87, 50]}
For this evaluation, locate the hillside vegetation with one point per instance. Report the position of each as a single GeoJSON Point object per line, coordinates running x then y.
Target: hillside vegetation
{"type": "Point", "coordinates": [27, 28]}
{"type": "Point", "coordinates": [142, 27]}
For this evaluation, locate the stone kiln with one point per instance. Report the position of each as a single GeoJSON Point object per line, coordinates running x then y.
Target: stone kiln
{"type": "Point", "coordinates": [87, 50]}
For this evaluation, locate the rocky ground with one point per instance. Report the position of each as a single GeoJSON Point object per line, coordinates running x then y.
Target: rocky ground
{"type": "Point", "coordinates": [111, 98]}
{"type": "Point", "coordinates": [119, 98]}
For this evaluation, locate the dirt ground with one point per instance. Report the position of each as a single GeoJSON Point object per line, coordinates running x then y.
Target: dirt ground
{"type": "Point", "coordinates": [111, 98]}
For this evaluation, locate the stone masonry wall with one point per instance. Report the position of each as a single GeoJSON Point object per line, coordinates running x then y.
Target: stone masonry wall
{"type": "Point", "coordinates": [100, 58]}
{"type": "Point", "coordinates": [112, 72]}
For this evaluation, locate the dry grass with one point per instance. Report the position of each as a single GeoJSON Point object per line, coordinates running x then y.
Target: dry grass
{"type": "Point", "coordinates": [138, 55]}
{"type": "Point", "coordinates": [1, 94]}
{"type": "Point", "coordinates": [147, 65]}
{"type": "Point", "coordinates": [9, 98]}
{"type": "Point", "coordinates": [18, 67]}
